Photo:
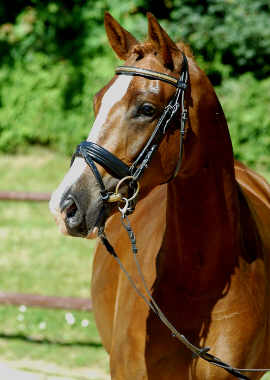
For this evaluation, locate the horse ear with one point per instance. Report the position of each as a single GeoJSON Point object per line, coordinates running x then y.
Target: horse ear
{"type": "Point", "coordinates": [165, 45]}
{"type": "Point", "coordinates": [120, 39]}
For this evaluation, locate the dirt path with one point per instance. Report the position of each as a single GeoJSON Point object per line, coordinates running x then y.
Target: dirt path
{"type": "Point", "coordinates": [38, 370]}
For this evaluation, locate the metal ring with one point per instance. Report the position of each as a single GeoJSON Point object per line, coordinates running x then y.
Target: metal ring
{"type": "Point", "coordinates": [122, 181]}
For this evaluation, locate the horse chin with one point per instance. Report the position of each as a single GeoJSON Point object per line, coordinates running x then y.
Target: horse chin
{"type": "Point", "coordinates": [92, 234]}
{"type": "Point", "coordinates": [61, 224]}
{"type": "Point", "coordinates": [96, 220]}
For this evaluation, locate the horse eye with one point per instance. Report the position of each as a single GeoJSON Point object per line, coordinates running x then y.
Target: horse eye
{"type": "Point", "coordinates": [147, 110]}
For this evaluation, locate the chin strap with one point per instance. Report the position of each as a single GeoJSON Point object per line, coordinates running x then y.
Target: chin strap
{"type": "Point", "coordinates": [198, 352]}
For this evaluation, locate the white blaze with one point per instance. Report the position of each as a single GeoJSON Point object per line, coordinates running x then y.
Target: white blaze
{"type": "Point", "coordinates": [113, 95]}
{"type": "Point", "coordinates": [154, 86]}
{"type": "Point", "coordinates": [71, 177]}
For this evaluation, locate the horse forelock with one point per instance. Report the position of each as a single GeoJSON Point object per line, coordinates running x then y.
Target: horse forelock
{"type": "Point", "coordinates": [141, 50]}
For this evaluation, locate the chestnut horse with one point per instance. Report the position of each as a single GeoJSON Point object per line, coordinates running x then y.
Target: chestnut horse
{"type": "Point", "coordinates": [202, 235]}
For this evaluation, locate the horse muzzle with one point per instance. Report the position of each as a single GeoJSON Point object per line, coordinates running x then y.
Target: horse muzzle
{"type": "Point", "coordinates": [77, 207]}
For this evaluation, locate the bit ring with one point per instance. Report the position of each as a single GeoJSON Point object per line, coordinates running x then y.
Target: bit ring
{"type": "Point", "coordinates": [128, 178]}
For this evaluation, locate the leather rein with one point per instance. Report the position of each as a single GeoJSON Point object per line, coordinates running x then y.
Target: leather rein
{"type": "Point", "coordinates": [93, 153]}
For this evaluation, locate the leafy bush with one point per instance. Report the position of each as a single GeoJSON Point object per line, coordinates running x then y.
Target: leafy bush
{"type": "Point", "coordinates": [246, 105]}
{"type": "Point", "coordinates": [72, 30]}
{"type": "Point", "coordinates": [42, 104]}
{"type": "Point", "coordinates": [234, 32]}
{"type": "Point", "coordinates": [55, 56]}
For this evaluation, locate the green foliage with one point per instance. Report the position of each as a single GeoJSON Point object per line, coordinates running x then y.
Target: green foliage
{"type": "Point", "coordinates": [55, 56]}
{"type": "Point", "coordinates": [235, 30]}
{"type": "Point", "coordinates": [246, 105]}
{"type": "Point", "coordinates": [71, 30]}
{"type": "Point", "coordinates": [44, 103]}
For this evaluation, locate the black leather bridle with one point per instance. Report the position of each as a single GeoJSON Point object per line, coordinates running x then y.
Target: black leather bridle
{"type": "Point", "coordinates": [94, 153]}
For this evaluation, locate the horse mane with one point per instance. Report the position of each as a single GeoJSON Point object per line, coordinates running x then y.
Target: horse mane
{"type": "Point", "coordinates": [186, 49]}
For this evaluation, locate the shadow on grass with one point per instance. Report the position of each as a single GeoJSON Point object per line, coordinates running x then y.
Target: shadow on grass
{"type": "Point", "coordinates": [37, 340]}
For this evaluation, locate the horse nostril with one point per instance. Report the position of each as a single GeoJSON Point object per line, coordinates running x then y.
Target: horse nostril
{"type": "Point", "coordinates": [71, 210]}
{"type": "Point", "coordinates": [74, 216]}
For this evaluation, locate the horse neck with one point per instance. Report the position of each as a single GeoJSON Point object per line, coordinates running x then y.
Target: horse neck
{"type": "Point", "coordinates": [202, 235]}
{"type": "Point", "coordinates": [202, 229]}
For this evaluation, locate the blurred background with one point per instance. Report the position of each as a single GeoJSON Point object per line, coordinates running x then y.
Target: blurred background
{"type": "Point", "coordinates": [54, 58]}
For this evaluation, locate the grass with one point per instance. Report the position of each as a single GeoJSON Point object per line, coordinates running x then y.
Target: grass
{"type": "Point", "coordinates": [35, 258]}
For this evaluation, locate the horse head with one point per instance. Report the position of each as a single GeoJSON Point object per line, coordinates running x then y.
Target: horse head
{"type": "Point", "coordinates": [127, 111]}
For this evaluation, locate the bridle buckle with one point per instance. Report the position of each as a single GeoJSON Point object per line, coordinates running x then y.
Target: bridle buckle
{"type": "Point", "coordinates": [117, 196]}
{"type": "Point", "coordinates": [171, 109]}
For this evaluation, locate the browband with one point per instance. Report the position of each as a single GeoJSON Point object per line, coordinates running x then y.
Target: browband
{"type": "Point", "coordinates": [150, 74]}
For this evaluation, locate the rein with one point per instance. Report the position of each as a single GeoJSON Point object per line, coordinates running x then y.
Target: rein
{"type": "Point", "coordinates": [93, 153]}
{"type": "Point", "coordinates": [198, 352]}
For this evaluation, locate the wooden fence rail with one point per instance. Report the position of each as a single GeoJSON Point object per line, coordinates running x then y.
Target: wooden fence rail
{"type": "Point", "coordinates": [24, 196]}
{"type": "Point", "coordinates": [37, 300]}
{"type": "Point", "coordinates": [51, 302]}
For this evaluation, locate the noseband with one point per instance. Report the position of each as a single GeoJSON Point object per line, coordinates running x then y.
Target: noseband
{"type": "Point", "coordinates": [94, 153]}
